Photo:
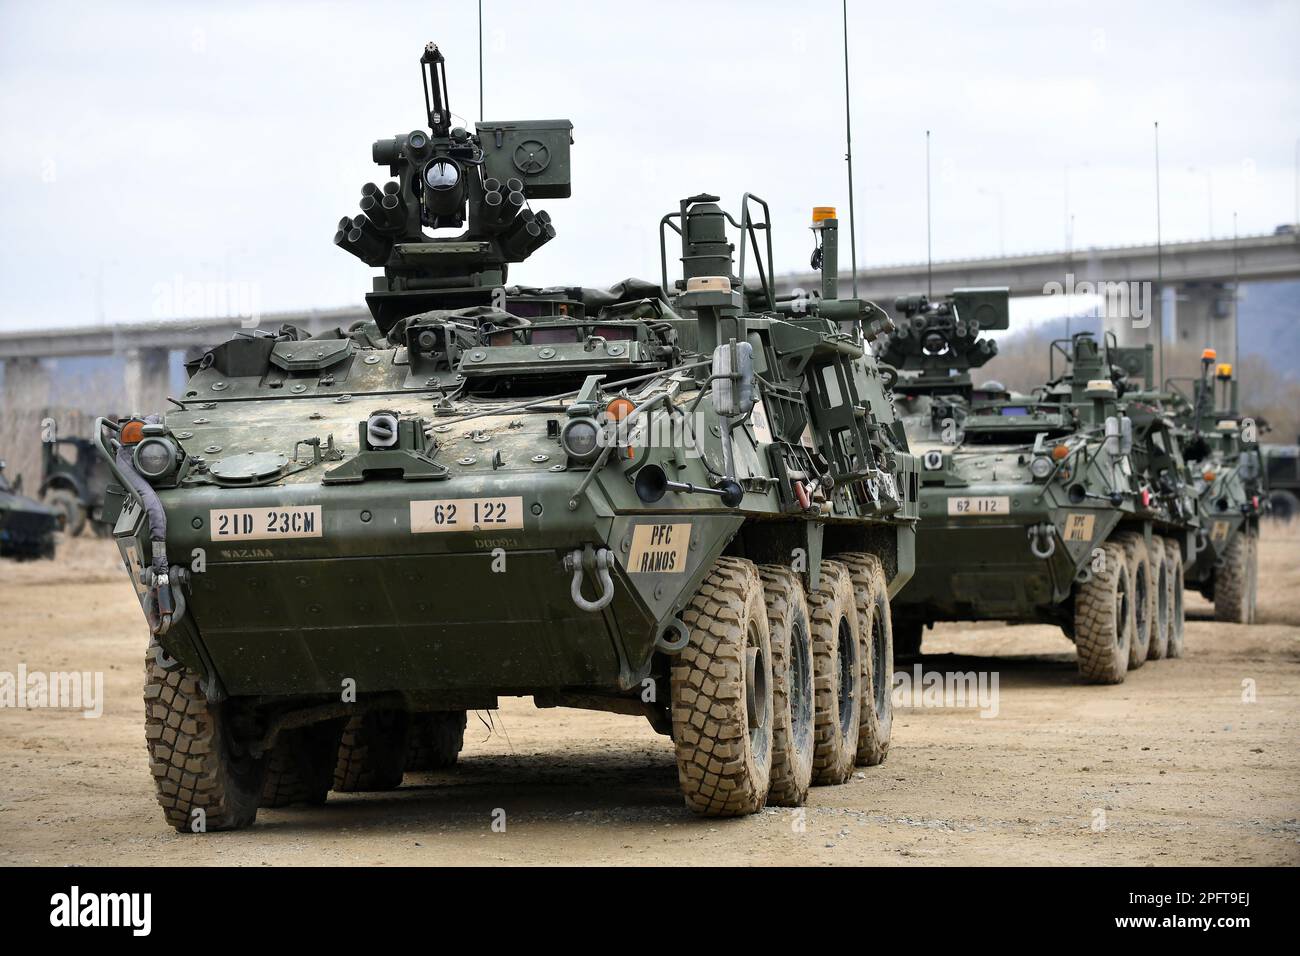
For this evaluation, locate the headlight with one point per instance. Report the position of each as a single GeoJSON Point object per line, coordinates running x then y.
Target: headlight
{"type": "Point", "coordinates": [155, 457]}
{"type": "Point", "coordinates": [580, 439]}
{"type": "Point", "coordinates": [1040, 468]}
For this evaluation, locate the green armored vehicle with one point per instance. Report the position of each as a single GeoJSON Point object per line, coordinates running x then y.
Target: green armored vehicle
{"type": "Point", "coordinates": [1229, 481]}
{"type": "Point", "coordinates": [26, 527]}
{"type": "Point", "coordinates": [1064, 507]}
{"type": "Point", "coordinates": [689, 504]}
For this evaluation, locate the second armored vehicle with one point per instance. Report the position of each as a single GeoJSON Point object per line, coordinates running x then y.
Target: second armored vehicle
{"type": "Point", "coordinates": [1066, 507]}
{"type": "Point", "coordinates": [26, 527]}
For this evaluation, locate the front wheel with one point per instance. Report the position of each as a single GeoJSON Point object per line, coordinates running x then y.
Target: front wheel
{"type": "Point", "coordinates": [204, 779]}
{"type": "Point", "coordinates": [1104, 619]}
{"type": "Point", "coordinates": [721, 691]}
{"type": "Point", "coordinates": [1235, 580]}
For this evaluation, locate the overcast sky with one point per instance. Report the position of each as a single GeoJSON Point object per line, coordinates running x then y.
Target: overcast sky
{"type": "Point", "coordinates": [152, 146]}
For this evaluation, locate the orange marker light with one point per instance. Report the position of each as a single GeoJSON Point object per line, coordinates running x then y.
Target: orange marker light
{"type": "Point", "coordinates": [1060, 451]}
{"type": "Point", "coordinates": [1209, 355]}
{"type": "Point", "coordinates": [131, 432]}
{"type": "Point", "coordinates": [822, 213]}
{"type": "Point", "coordinates": [619, 408]}
{"type": "Point", "coordinates": [1208, 475]}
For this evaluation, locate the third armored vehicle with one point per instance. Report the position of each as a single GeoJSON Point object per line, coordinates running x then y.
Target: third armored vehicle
{"type": "Point", "coordinates": [690, 504]}
{"type": "Point", "coordinates": [26, 527]}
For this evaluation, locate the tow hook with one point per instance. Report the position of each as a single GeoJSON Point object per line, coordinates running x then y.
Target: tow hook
{"type": "Point", "coordinates": [1042, 540]}
{"type": "Point", "coordinates": [598, 560]}
{"type": "Point", "coordinates": [164, 597]}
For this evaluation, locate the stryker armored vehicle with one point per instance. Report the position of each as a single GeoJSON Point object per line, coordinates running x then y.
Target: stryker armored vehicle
{"type": "Point", "coordinates": [687, 504]}
{"type": "Point", "coordinates": [1064, 507]}
{"type": "Point", "coordinates": [1228, 479]}
{"type": "Point", "coordinates": [74, 479]}
{"type": "Point", "coordinates": [26, 526]}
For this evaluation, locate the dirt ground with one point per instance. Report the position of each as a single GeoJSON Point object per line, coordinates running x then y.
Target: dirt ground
{"type": "Point", "coordinates": [1176, 765]}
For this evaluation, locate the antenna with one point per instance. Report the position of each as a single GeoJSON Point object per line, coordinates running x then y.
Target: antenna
{"type": "Point", "coordinates": [848, 151]}
{"type": "Point", "coordinates": [480, 61]}
{"type": "Point", "coordinates": [929, 258]}
{"type": "Point", "coordinates": [1160, 274]}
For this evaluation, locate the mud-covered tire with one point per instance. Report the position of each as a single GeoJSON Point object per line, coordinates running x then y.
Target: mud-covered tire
{"type": "Point", "coordinates": [372, 753]}
{"type": "Point", "coordinates": [794, 703]}
{"type": "Point", "coordinates": [1142, 577]}
{"type": "Point", "coordinates": [300, 767]}
{"type": "Point", "coordinates": [1103, 619]}
{"type": "Point", "coordinates": [1283, 505]}
{"type": "Point", "coordinates": [1177, 617]}
{"type": "Point", "coordinates": [837, 671]}
{"type": "Point", "coordinates": [436, 740]}
{"type": "Point", "coordinates": [1236, 579]}
{"type": "Point", "coordinates": [69, 505]}
{"type": "Point", "coordinates": [876, 643]}
{"type": "Point", "coordinates": [721, 692]}
{"type": "Point", "coordinates": [194, 758]}
{"type": "Point", "coordinates": [1165, 599]}
{"type": "Point", "coordinates": [908, 636]}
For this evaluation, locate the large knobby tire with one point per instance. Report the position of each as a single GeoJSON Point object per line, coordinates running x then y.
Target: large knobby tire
{"type": "Point", "coordinates": [721, 691]}
{"type": "Point", "coordinates": [837, 670]}
{"type": "Point", "coordinates": [794, 704]}
{"type": "Point", "coordinates": [1177, 619]}
{"type": "Point", "coordinates": [436, 740]}
{"type": "Point", "coordinates": [1283, 505]}
{"type": "Point", "coordinates": [69, 505]}
{"type": "Point", "coordinates": [1235, 580]}
{"type": "Point", "coordinates": [908, 636]}
{"type": "Point", "coordinates": [1161, 567]}
{"type": "Point", "coordinates": [1103, 619]}
{"type": "Point", "coordinates": [876, 643]}
{"type": "Point", "coordinates": [195, 760]}
{"type": "Point", "coordinates": [372, 754]}
{"type": "Point", "coordinates": [1142, 576]}
{"type": "Point", "coordinates": [300, 767]}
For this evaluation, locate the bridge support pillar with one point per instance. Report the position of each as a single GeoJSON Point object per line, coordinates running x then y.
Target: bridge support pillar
{"type": "Point", "coordinates": [1205, 319]}
{"type": "Point", "coordinates": [26, 394]}
{"type": "Point", "coordinates": [148, 371]}
{"type": "Point", "coordinates": [1132, 311]}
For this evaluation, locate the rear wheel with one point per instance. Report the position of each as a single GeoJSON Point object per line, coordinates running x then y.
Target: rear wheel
{"type": "Point", "coordinates": [1103, 619]}
{"type": "Point", "coordinates": [1235, 580]}
{"type": "Point", "coordinates": [300, 767]}
{"type": "Point", "coordinates": [1174, 557]}
{"type": "Point", "coordinates": [793, 700]}
{"type": "Point", "coordinates": [69, 505]}
{"type": "Point", "coordinates": [1142, 577]}
{"type": "Point", "coordinates": [876, 636]}
{"type": "Point", "coordinates": [721, 688]}
{"type": "Point", "coordinates": [837, 669]}
{"type": "Point", "coordinates": [372, 754]}
{"type": "Point", "coordinates": [204, 779]}
{"type": "Point", "coordinates": [436, 740]}
{"type": "Point", "coordinates": [1164, 589]}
